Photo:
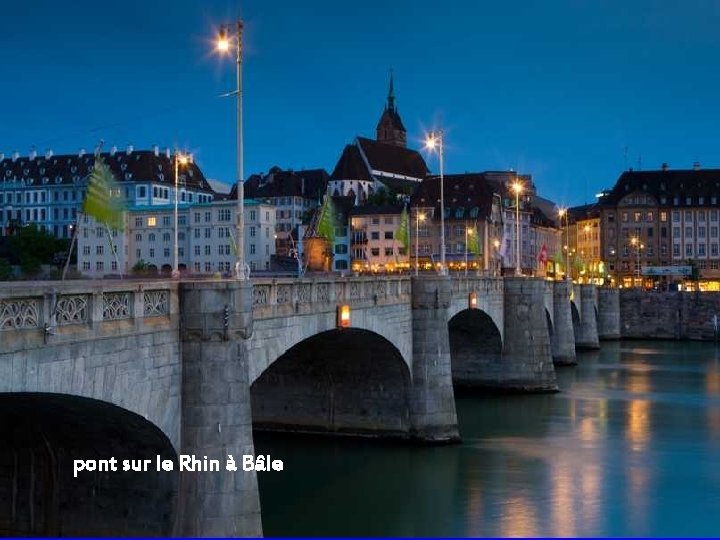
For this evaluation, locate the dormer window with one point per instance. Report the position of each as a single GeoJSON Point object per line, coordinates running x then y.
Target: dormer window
{"type": "Point", "coordinates": [45, 180]}
{"type": "Point", "coordinates": [128, 176]}
{"type": "Point", "coordinates": [123, 166]}
{"type": "Point", "coordinates": [58, 179]}
{"type": "Point", "coordinates": [73, 169]}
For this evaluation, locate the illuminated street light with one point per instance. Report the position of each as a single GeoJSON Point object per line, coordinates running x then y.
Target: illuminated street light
{"type": "Point", "coordinates": [223, 46]}
{"type": "Point", "coordinates": [433, 140]}
{"type": "Point", "coordinates": [180, 159]}
{"type": "Point", "coordinates": [517, 187]}
{"type": "Point", "coordinates": [419, 216]}
{"type": "Point", "coordinates": [563, 212]}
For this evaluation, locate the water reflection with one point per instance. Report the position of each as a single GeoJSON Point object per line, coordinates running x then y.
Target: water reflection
{"type": "Point", "coordinates": [627, 448]}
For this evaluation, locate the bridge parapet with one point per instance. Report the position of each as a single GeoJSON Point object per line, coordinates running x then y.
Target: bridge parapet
{"type": "Point", "coordinates": [33, 314]}
{"type": "Point", "coordinates": [283, 297]}
{"type": "Point", "coordinates": [478, 284]}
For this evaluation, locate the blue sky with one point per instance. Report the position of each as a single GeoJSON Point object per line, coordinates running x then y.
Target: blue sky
{"type": "Point", "coordinates": [557, 89]}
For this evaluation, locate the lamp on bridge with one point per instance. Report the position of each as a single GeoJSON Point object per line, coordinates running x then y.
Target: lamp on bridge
{"type": "Point", "coordinates": [343, 316]}
{"type": "Point", "coordinates": [472, 300]}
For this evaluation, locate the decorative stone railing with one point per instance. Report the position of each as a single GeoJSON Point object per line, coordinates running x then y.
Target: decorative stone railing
{"type": "Point", "coordinates": [281, 297]}
{"type": "Point", "coordinates": [478, 284]}
{"type": "Point", "coordinates": [57, 307]}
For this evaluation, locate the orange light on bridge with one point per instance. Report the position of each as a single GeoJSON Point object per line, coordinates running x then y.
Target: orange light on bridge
{"type": "Point", "coordinates": [343, 316]}
{"type": "Point", "coordinates": [472, 300]}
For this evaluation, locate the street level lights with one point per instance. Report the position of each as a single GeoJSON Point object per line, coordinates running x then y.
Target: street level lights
{"type": "Point", "coordinates": [419, 216]}
{"type": "Point", "coordinates": [517, 187]}
{"type": "Point", "coordinates": [435, 139]}
{"type": "Point", "coordinates": [224, 42]}
{"type": "Point", "coordinates": [496, 245]}
{"type": "Point", "coordinates": [180, 159]}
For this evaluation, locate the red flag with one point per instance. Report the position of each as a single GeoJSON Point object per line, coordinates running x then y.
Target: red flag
{"type": "Point", "coordinates": [543, 255]}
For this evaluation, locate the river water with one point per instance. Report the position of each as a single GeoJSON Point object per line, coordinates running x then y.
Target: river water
{"type": "Point", "coordinates": [629, 447]}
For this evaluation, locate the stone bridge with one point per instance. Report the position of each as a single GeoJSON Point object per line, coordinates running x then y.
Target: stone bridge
{"type": "Point", "coordinates": [133, 369]}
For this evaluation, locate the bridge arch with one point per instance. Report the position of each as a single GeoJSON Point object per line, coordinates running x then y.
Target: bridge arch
{"type": "Point", "coordinates": [37, 455]}
{"type": "Point", "coordinates": [342, 381]}
{"type": "Point", "coordinates": [475, 348]}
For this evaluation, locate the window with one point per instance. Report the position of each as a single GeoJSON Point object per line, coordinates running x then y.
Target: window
{"type": "Point", "coordinates": [688, 250]}
{"type": "Point", "coordinates": [676, 215]}
{"type": "Point", "coordinates": [252, 249]}
{"type": "Point", "coordinates": [152, 253]}
{"type": "Point", "coordinates": [624, 217]}
{"type": "Point", "coordinates": [166, 252]}
{"type": "Point", "coordinates": [113, 265]}
{"type": "Point", "coordinates": [208, 232]}
{"type": "Point", "coordinates": [688, 201]}
{"type": "Point", "coordinates": [207, 217]}
{"type": "Point", "coordinates": [86, 265]}
{"type": "Point", "coordinates": [86, 250]}
{"type": "Point", "coordinates": [138, 237]}
{"type": "Point", "coordinates": [688, 232]}
{"type": "Point", "coordinates": [151, 237]}
{"type": "Point", "coordinates": [388, 252]}
{"type": "Point", "coordinates": [375, 235]}
{"type": "Point", "coordinates": [99, 232]}
{"type": "Point", "coordinates": [138, 253]}
{"type": "Point", "coordinates": [637, 217]}
{"type": "Point", "coordinates": [663, 216]}
{"type": "Point", "coordinates": [676, 250]}
{"type": "Point", "coordinates": [207, 250]}
{"type": "Point", "coordinates": [341, 249]}
{"type": "Point", "coordinates": [375, 252]}
{"type": "Point", "coordinates": [375, 221]}
{"type": "Point", "coordinates": [100, 266]}
{"type": "Point", "coordinates": [688, 215]}
{"type": "Point", "coordinates": [152, 221]}
{"type": "Point", "coordinates": [197, 250]}
{"type": "Point", "coordinates": [252, 232]}
{"type": "Point", "coordinates": [252, 215]}
{"type": "Point", "coordinates": [701, 232]}
{"type": "Point", "coordinates": [224, 214]}
{"type": "Point", "coordinates": [713, 250]}
{"type": "Point", "coordinates": [341, 265]}
{"type": "Point", "coordinates": [650, 216]}
{"type": "Point", "coordinates": [676, 232]}
{"type": "Point", "coordinates": [701, 215]}
{"type": "Point", "coordinates": [388, 235]}
{"type": "Point", "coordinates": [701, 250]}
{"type": "Point", "coordinates": [138, 222]}
{"type": "Point", "coordinates": [389, 220]}
{"type": "Point", "coordinates": [166, 221]}
{"type": "Point", "coordinates": [196, 233]}
{"type": "Point", "coordinates": [182, 220]}
{"type": "Point", "coordinates": [196, 217]}
{"type": "Point", "coordinates": [166, 237]}
{"type": "Point", "coordinates": [713, 231]}
{"type": "Point", "coordinates": [713, 215]}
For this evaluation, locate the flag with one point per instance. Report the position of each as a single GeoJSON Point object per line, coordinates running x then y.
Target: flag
{"type": "Point", "coordinates": [104, 200]}
{"type": "Point", "coordinates": [473, 241]}
{"type": "Point", "coordinates": [326, 222]}
{"type": "Point", "coordinates": [543, 256]}
{"type": "Point", "coordinates": [402, 235]}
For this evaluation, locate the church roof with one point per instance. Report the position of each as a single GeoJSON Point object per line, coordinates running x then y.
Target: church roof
{"type": "Point", "coordinates": [310, 184]}
{"type": "Point", "coordinates": [392, 159]}
{"type": "Point", "coordinates": [392, 117]}
{"type": "Point", "coordinates": [351, 166]}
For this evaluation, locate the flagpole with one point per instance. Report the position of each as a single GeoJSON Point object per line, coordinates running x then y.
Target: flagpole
{"type": "Point", "coordinates": [466, 248]}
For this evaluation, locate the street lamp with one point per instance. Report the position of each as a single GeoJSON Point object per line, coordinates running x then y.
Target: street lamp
{"type": "Point", "coordinates": [419, 216]}
{"type": "Point", "coordinates": [563, 212]}
{"type": "Point", "coordinates": [635, 241]}
{"type": "Point", "coordinates": [224, 42]}
{"type": "Point", "coordinates": [468, 231]}
{"type": "Point", "coordinates": [180, 159]}
{"type": "Point", "coordinates": [517, 187]}
{"type": "Point", "coordinates": [435, 139]}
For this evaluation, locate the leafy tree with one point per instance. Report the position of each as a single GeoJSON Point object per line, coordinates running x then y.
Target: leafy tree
{"type": "Point", "coordinates": [31, 247]}
{"type": "Point", "coordinates": [383, 196]}
{"type": "Point", "coordinates": [140, 267]}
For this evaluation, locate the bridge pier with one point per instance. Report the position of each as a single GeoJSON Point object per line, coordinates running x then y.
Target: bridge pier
{"type": "Point", "coordinates": [608, 313]}
{"type": "Point", "coordinates": [527, 363]}
{"type": "Point", "coordinates": [432, 401]}
{"type": "Point", "coordinates": [587, 337]}
{"type": "Point", "coordinates": [216, 319]}
{"type": "Point", "coordinates": [563, 338]}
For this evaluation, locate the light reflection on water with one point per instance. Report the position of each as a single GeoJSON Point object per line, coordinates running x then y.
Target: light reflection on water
{"type": "Point", "coordinates": [627, 448]}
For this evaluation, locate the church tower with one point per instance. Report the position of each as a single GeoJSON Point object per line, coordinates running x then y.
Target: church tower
{"type": "Point", "coordinates": [390, 129]}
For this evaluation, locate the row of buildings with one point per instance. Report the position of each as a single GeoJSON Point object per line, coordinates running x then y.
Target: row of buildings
{"type": "Point", "coordinates": [653, 228]}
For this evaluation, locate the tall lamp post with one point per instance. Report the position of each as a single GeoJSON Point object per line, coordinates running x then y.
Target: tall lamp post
{"type": "Point", "coordinates": [435, 139]}
{"type": "Point", "coordinates": [517, 187]}
{"type": "Point", "coordinates": [419, 216]}
{"type": "Point", "coordinates": [635, 241]}
{"type": "Point", "coordinates": [563, 212]}
{"type": "Point", "coordinates": [223, 46]}
{"type": "Point", "coordinates": [496, 245]}
{"type": "Point", "coordinates": [180, 159]}
{"type": "Point", "coordinates": [468, 231]}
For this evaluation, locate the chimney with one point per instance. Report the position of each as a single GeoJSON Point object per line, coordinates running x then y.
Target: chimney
{"type": "Point", "coordinates": [696, 165]}
{"type": "Point", "coordinates": [81, 153]}
{"type": "Point", "coordinates": [48, 153]}
{"type": "Point", "coordinates": [15, 156]}
{"type": "Point", "coordinates": [33, 153]}
{"type": "Point", "coordinates": [664, 166]}
{"type": "Point", "coordinates": [167, 152]}
{"type": "Point", "coordinates": [113, 150]}
{"type": "Point", "coordinates": [129, 149]}
{"type": "Point", "coordinates": [156, 150]}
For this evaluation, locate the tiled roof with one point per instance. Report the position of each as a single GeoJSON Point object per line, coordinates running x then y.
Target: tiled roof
{"type": "Point", "coordinates": [136, 166]}
{"type": "Point", "coordinates": [351, 166]}
{"type": "Point", "coordinates": [669, 183]}
{"type": "Point", "coordinates": [310, 184]}
{"type": "Point", "coordinates": [393, 159]}
{"type": "Point", "coordinates": [467, 196]}
{"type": "Point", "coordinates": [392, 117]}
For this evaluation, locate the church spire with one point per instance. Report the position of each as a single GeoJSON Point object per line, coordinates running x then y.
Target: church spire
{"type": "Point", "coordinates": [391, 93]}
{"type": "Point", "coordinates": [390, 129]}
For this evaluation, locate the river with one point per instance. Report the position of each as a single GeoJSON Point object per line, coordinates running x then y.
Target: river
{"type": "Point", "coordinates": [629, 447]}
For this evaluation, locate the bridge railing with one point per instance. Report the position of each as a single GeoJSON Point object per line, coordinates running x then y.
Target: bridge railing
{"type": "Point", "coordinates": [478, 284]}
{"type": "Point", "coordinates": [67, 308]}
{"type": "Point", "coordinates": [275, 297]}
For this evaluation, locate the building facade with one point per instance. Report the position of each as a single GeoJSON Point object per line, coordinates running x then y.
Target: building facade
{"type": "Point", "coordinates": [374, 243]}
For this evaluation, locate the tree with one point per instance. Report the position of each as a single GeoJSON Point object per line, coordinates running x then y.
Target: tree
{"type": "Point", "coordinates": [383, 197]}
{"type": "Point", "coordinates": [140, 267]}
{"type": "Point", "coordinates": [32, 247]}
